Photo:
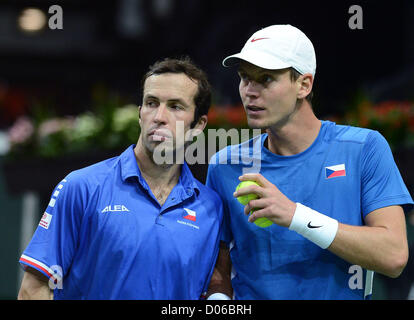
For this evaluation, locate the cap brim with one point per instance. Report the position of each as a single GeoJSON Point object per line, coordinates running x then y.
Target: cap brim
{"type": "Point", "coordinates": [257, 58]}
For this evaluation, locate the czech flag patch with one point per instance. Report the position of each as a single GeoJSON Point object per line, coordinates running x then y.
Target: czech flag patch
{"type": "Point", "coordinates": [191, 215]}
{"type": "Point", "coordinates": [335, 171]}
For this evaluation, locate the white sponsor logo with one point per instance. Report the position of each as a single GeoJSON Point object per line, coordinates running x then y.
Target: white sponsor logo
{"type": "Point", "coordinates": [188, 224]}
{"type": "Point", "coordinates": [45, 221]}
{"type": "Point", "coordinates": [115, 208]}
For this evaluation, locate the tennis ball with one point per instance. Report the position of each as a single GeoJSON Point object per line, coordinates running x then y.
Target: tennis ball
{"type": "Point", "coordinates": [244, 200]}
{"type": "Point", "coordinates": [262, 222]}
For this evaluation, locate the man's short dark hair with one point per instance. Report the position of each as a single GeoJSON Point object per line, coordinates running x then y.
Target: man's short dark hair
{"type": "Point", "coordinates": [294, 75]}
{"type": "Point", "coordinates": [202, 98]}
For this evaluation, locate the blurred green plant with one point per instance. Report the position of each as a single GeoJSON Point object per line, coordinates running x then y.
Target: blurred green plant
{"type": "Point", "coordinates": [108, 127]}
{"type": "Point", "coordinates": [393, 119]}
{"type": "Point", "coordinates": [112, 124]}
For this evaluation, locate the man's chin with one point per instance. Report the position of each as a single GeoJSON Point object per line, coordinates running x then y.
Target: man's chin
{"type": "Point", "coordinates": [254, 124]}
{"type": "Point", "coordinates": [165, 156]}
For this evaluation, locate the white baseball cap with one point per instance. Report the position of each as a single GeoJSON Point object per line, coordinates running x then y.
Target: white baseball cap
{"type": "Point", "coordinates": [277, 47]}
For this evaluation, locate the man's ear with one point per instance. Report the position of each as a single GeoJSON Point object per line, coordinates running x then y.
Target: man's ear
{"type": "Point", "coordinates": [305, 83]}
{"type": "Point", "coordinates": [197, 129]}
{"type": "Point", "coordinates": [139, 115]}
{"type": "Point", "coordinates": [201, 123]}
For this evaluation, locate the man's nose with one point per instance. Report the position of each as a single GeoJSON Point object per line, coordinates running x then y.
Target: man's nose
{"type": "Point", "coordinates": [161, 114]}
{"type": "Point", "coordinates": [252, 89]}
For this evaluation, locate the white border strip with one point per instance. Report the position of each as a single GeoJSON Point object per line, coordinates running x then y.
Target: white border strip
{"type": "Point", "coordinates": [40, 264]}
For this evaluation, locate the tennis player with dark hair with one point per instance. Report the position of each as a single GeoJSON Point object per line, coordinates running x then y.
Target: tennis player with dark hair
{"type": "Point", "coordinates": [333, 192]}
{"type": "Point", "coordinates": [131, 227]}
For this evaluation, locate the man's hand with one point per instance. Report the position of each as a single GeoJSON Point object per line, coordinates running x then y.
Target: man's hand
{"type": "Point", "coordinates": [271, 204]}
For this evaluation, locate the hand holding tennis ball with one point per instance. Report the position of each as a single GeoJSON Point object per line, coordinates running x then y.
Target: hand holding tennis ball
{"type": "Point", "coordinates": [244, 200]}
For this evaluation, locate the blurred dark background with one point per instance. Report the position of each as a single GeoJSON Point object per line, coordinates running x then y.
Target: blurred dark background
{"type": "Point", "coordinates": [112, 43]}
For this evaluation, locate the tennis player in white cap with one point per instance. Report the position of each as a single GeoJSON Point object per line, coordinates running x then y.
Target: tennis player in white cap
{"type": "Point", "coordinates": [333, 192]}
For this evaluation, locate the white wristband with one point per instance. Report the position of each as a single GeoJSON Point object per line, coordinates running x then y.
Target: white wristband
{"type": "Point", "coordinates": [219, 296]}
{"type": "Point", "coordinates": [314, 226]}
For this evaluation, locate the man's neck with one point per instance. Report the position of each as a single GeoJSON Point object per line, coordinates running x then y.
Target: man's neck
{"type": "Point", "coordinates": [160, 178]}
{"type": "Point", "coordinates": [296, 135]}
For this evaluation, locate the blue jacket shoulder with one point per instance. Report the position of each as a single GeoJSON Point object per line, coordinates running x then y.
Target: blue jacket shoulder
{"type": "Point", "coordinates": [353, 134]}
{"type": "Point", "coordinates": [93, 174]}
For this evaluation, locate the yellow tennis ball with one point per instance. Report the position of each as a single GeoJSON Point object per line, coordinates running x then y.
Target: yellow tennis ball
{"type": "Point", "coordinates": [244, 200]}
{"type": "Point", "coordinates": [262, 222]}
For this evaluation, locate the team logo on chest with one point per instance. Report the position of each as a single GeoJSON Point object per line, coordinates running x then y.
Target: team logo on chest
{"type": "Point", "coordinates": [115, 208]}
{"type": "Point", "coordinates": [335, 171]}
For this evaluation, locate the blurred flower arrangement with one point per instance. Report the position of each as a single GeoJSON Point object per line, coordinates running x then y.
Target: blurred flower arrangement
{"type": "Point", "coordinates": [50, 137]}
{"type": "Point", "coordinates": [111, 126]}
{"type": "Point", "coordinates": [115, 126]}
{"type": "Point", "coordinates": [227, 117]}
{"type": "Point", "coordinates": [393, 119]}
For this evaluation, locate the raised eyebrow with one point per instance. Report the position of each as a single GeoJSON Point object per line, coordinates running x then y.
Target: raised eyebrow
{"type": "Point", "coordinates": [254, 74]}
{"type": "Point", "coordinates": [179, 101]}
{"type": "Point", "coordinates": [170, 101]}
{"type": "Point", "coordinates": [147, 97]}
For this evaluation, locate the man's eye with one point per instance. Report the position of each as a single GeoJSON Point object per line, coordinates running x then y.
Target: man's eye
{"type": "Point", "coordinates": [176, 107]}
{"type": "Point", "coordinates": [151, 104]}
{"type": "Point", "coordinates": [265, 79]}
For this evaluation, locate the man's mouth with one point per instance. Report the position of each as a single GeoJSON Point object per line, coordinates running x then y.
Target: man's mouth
{"type": "Point", "coordinates": [159, 135]}
{"type": "Point", "coordinates": [253, 110]}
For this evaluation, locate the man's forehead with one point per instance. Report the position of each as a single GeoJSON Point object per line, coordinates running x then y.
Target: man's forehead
{"type": "Point", "coordinates": [171, 79]}
{"type": "Point", "coordinates": [170, 86]}
{"type": "Point", "coordinates": [178, 81]}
